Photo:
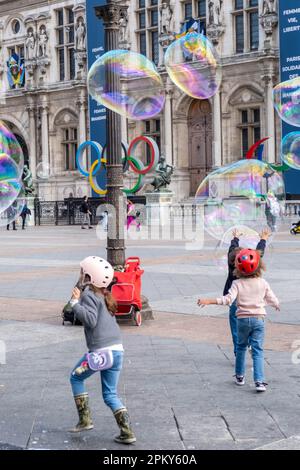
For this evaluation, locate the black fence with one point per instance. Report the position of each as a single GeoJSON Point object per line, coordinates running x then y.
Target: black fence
{"type": "Point", "coordinates": [68, 212]}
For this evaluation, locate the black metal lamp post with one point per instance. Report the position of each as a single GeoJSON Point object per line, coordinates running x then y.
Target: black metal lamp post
{"type": "Point", "coordinates": [111, 15]}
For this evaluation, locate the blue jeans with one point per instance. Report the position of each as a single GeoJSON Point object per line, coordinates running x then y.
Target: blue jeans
{"type": "Point", "coordinates": [233, 324]}
{"type": "Point", "coordinates": [251, 330]}
{"type": "Point", "coordinates": [109, 381]}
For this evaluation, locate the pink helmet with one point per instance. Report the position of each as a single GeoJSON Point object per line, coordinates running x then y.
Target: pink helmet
{"type": "Point", "coordinates": [99, 270]}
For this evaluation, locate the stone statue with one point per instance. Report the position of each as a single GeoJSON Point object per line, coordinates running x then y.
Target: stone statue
{"type": "Point", "coordinates": [123, 29]}
{"type": "Point", "coordinates": [211, 9]}
{"type": "Point", "coordinates": [27, 181]}
{"type": "Point", "coordinates": [219, 11]}
{"type": "Point", "coordinates": [30, 45]}
{"type": "Point", "coordinates": [43, 39]}
{"type": "Point", "coordinates": [166, 14]}
{"type": "Point", "coordinates": [215, 12]}
{"type": "Point", "coordinates": [269, 6]}
{"type": "Point", "coordinates": [163, 175]}
{"type": "Point", "coordinates": [80, 36]}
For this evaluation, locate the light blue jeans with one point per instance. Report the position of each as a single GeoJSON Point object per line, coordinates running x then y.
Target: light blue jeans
{"type": "Point", "coordinates": [233, 324]}
{"type": "Point", "coordinates": [109, 381]}
{"type": "Point", "coordinates": [250, 330]}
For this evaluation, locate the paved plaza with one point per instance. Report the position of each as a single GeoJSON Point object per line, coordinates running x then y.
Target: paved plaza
{"type": "Point", "coordinates": [177, 380]}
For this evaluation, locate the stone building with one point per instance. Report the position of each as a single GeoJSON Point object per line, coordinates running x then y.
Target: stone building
{"type": "Point", "coordinates": [49, 113]}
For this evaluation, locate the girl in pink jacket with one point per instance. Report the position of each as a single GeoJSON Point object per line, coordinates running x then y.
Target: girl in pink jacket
{"type": "Point", "coordinates": [252, 293]}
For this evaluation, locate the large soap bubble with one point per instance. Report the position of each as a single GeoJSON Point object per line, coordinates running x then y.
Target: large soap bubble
{"type": "Point", "coordinates": [290, 150]}
{"type": "Point", "coordinates": [286, 96]}
{"type": "Point", "coordinates": [10, 184]}
{"type": "Point", "coordinates": [12, 213]}
{"type": "Point", "coordinates": [193, 65]}
{"type": "Point", "coordinates": [141, 94]}
{"type": "Point", "coordinates": [239, 194]}
{"type": "Point", "coordinates": [10, 146]}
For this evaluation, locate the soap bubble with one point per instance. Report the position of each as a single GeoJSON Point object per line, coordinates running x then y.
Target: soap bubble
{"type": "Point", "coordinates": [237, 194]}
{"type": "Point", "coordinates": [141, 94]}
{"type": "Point", "coordinates": [43, 171]}
{"type": "Point", "coordinates": [10, 184]}
{"type": "Point", "coordinates": [193, 65]}
{"type": "Point", "coordinates": [286, 98]}
{"type": "Point", "coordinates": [11, 214]}
{"type": "Point", "coordinates": [10, 146]}
{"type": "Point", "coordinates": [248, 238]}
{"type": "Point", "coordinates": [290, 150]}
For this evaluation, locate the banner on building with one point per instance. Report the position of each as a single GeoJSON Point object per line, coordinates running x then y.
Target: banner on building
{"type": "Point", "coordinates": [96, 48]}
{"type": "Point", "coordinates": [16, 71]}
{"type": "Point", "coordinates": [289, 32]}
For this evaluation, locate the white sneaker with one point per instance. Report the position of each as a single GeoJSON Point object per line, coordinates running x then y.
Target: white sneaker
{"type": "Point", "coordinates": [239, 380]}
{"type": "Point", "coordinates": [260, 386]}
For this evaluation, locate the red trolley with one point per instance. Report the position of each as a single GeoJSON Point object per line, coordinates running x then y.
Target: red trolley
{"type": "Point", "coordinates": [127, 291]}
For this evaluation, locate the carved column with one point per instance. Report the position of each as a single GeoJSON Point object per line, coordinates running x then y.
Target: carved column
{"type": "Point", "coordinates": [32, 126]}
{"type": "Point", "coordinates": [45, 134]}
{"type": "Point", "coordinates": [111, 15]}
{"type": "Point", "coordinates": [270, 118]}
{"type": "Point", "coordinates": [217, 131]}
{"type": "Point", "coordinates": [82, 107]}
{"type": "Point", "coordinates": [168, 127]}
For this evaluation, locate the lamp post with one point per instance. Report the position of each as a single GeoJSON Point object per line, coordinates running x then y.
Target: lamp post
{"type": "Point", "coordinates": [111, 14]}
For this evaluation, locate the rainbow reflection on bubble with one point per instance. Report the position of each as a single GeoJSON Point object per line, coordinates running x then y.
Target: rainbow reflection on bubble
{"type": "Point", "coordinates": [290, 150]}
{"type": "Point", "coordinates": [286, 97]}
{"type": "Point", "coordinates": [10, 146]}
{"type": "Point", "coordinates": [236, 194]}
{"type": "Point", "coordinates": [11, 213]}
{"type": "Point", "coordinates": [248, 238]}
{"type": "Point", "coordinates": [10, 184]}
{"type": "Point", "coordinates": [192, 64]}
{"type": "Point", "coordinates": [141, 94]}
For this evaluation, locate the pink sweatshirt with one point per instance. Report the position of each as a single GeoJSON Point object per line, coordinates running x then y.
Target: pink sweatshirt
{"type": "Point", "coordinates": [252, 295]}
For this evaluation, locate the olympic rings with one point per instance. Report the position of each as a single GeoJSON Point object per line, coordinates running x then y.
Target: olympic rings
{"type": "Point", "coordinates": [154, 154]}
{"type": "Point", "coordinates": [129, 161]}
{"type": "Point", "coordinates": [92, 180]}
{"type": "Point", "coordinates": [79, 155]}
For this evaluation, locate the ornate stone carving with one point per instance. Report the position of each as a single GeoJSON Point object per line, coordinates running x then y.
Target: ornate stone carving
{"type": "Point", "coordinates": [42, 42]}
{"type": "Point", "coordinates": [80, 36]}
{"type": "Point", "coordinates": [215, 8]}
{"type": "Point", "coordinates": [269, 16]}
{"type": "Point", "coordinates": [111, 14]}
{"type": "Point", "coordinates": [215, 28]}
{"type": "Point", "coordinates": [30, 45]}
{"type": "Point", "coordinates": [166, 16]}
{"type": "Point", "coordinates": [269, 6]}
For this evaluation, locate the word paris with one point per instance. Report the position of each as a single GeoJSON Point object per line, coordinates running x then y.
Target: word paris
{"type": "Point", "coordinates": [129, 161]}
{"type": "Point", "coordinates": [151, 459]}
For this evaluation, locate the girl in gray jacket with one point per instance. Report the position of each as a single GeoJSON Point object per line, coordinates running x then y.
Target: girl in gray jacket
{"type": "Point", "coordinates": [96, 309]}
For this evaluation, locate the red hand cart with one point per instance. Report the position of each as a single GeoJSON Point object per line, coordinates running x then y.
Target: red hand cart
{"type": "Point", "coordinates": [127, 291]}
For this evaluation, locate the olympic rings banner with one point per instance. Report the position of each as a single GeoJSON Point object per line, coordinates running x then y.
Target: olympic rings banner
{"type": "Point", "coordinates": [130, 162]}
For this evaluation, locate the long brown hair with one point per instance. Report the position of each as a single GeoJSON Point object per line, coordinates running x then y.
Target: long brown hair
{"type": "Point", "coordinates": [110, 301]}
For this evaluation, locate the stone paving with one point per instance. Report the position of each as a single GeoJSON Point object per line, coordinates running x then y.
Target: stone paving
{"type": "Point", "coordinates": [177, 378]}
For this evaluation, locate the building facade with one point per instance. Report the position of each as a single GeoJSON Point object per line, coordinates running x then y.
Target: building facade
{"type": "Point", "coordinates": [49, 113]}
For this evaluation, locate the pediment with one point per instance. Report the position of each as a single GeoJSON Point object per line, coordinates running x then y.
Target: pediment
{"type": "Point", "coordinates": [245, 96]}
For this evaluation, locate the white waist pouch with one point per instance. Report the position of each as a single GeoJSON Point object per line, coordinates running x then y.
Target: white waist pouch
{"type": "Point", "coordinates": [100, 360]}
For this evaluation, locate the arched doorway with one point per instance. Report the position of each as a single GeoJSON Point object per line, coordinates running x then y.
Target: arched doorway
{"type": "Point", "coordinates": [200, 142]}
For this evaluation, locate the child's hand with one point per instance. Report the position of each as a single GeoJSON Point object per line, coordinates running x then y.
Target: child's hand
{"type": "Point", "coordinates": [76, 294]}
{"type": "Point", "coordinates": [203, 302]}
{"type": "Point", "coordinates": [236, 233]}
{"type": "Point", "coordinates": [277, 308]}
{"type": "Point", "coordinates": [265, 234]}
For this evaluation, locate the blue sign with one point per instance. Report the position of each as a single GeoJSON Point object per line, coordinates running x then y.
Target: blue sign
{"type": "Point", "coordinates": [97, 112]}
{"type": "Point", "coordinates": [289, 25]}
